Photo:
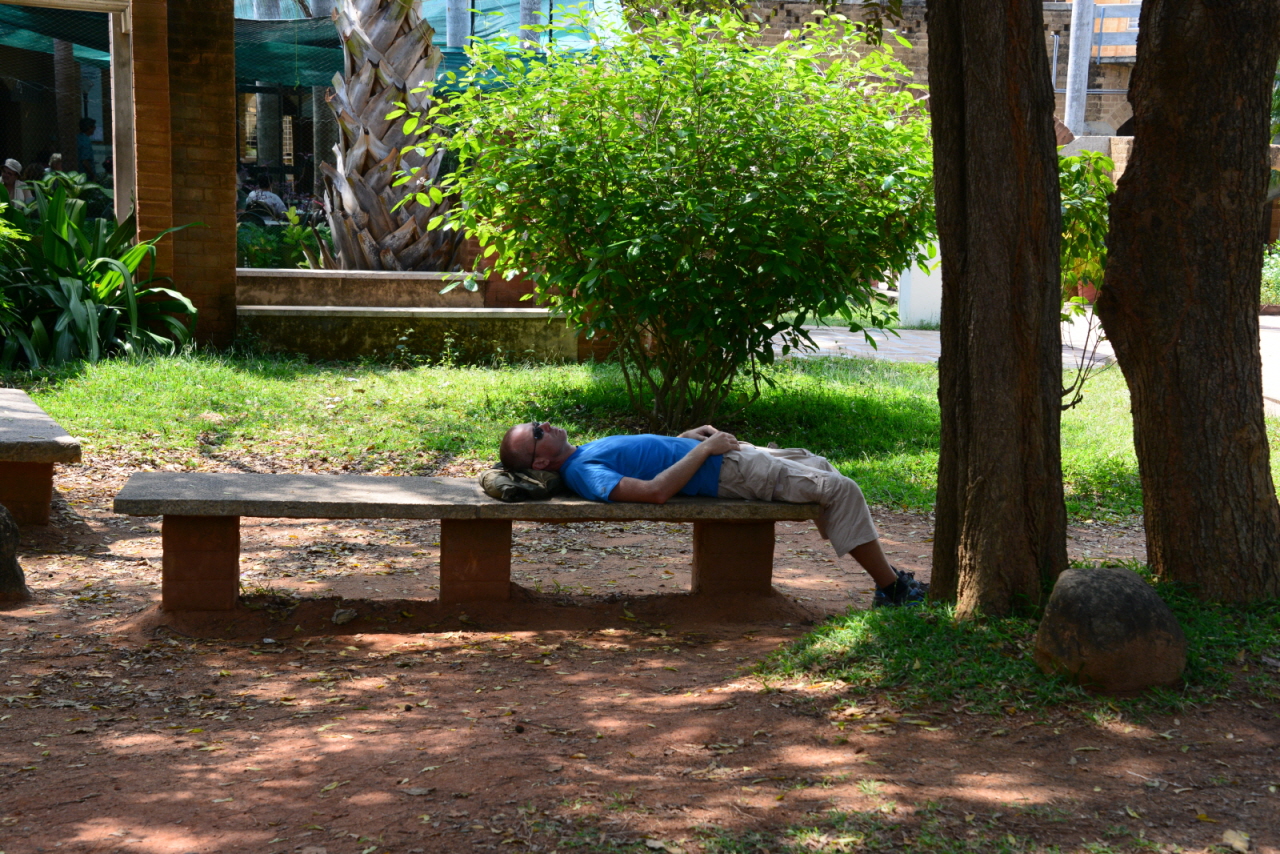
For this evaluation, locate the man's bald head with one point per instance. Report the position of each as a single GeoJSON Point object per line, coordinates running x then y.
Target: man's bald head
{"type": "Point", "coordinates": [514, 452]}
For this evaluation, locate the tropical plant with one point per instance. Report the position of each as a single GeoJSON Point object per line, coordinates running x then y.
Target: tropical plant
{"type": "Point", "coordinates": [388, 60]}
{"type": "Point", "coordinates": [293, 244]}
{"type": "Point", "coordinates": [76, 290]}
{"type": "Point", "coordinates": [76, 185]}
{"type": "Point", "coordinates": [9, 237]}
{"type": "Point", "coordinates": [691, 194]}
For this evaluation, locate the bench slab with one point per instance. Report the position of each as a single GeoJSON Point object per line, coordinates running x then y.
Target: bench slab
{"type": "Point", "coordinates": [370, 497]}
{"type": "Point", "coordinates": [30, 443]}
{"type": "Point", "coordinates": [29, 435]}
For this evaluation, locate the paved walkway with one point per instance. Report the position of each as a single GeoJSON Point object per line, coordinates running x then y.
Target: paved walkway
{"type": "Point", "coordinates": [915, 345]}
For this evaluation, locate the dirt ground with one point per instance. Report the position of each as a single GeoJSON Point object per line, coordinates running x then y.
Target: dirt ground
{"type": "Point", "coordinates": [604, 707]}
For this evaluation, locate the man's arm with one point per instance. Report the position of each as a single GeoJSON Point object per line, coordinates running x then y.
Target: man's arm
{"type": "Point", "coordinates": [671, 480]}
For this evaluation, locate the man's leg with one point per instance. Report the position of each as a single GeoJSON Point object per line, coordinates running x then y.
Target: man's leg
{"type": "Point", "coordinates": [793, 475]}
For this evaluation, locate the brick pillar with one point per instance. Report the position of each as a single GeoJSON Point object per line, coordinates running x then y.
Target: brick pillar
{"type": "Point", "coordinates": [202, 92]}
{"type": "Point", "coordinates": [475, 560]}
{"type": "Point", "coordinates": [151, 118]}
{"type": "Point", "coordinates": [26, 489]}
{"type": "Point", "coordinates": [201, 563]}
{"type": "Point", "coordinates": [733, 557]}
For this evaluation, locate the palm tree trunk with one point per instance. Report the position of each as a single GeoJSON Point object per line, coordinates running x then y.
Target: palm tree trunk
{"type": "Point", "coordinates": [387, 52]}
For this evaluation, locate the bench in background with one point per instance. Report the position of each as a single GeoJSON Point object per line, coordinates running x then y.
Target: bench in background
{"type": "Point", "coordinates": [30, 443]}
{"type": "Point", "coordinates": [732, 540]}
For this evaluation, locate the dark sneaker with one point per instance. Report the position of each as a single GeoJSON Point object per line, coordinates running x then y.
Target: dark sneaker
{"type": "Point", "coordinates": [904, 592]}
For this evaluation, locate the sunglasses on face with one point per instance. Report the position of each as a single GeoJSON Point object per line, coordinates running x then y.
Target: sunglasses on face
{"type": "Point", "coordinates": [537, 437]}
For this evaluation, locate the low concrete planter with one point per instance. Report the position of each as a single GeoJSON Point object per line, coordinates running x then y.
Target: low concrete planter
{"type": "Point", "coordinates": [466, 334]}
{"type": "Point", "coordinates": [352, 288]}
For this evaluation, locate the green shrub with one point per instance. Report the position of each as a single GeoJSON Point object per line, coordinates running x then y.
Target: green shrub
{"type": "Point", "coordinates": [1271, 276]}
{"type": "Point", "coordinates": [75, 289]}
{"type": "Point", "coordinates": [1085, 184]}
{"type": "Point", "coordinates": [689, 193]}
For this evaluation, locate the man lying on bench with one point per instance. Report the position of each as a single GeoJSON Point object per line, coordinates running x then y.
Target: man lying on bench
{"type": "Point", "coordinates": [707, 461]}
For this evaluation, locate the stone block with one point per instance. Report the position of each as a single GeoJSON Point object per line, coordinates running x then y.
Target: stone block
{"type": "Point", "coordinates": [201, 566]}
{"type": "Point", "coordinates": [29, 435]}
{"type": "Point", "coordinates": [475, 560]}
{"type": "Point", "coordinates": [1107, 630]}
{"type": "Point", "coordinates": [733, 557]}
{"type": "Point", "coordinates": [468, 334]}
{"type": "Point", "coordinates": [380, 289]}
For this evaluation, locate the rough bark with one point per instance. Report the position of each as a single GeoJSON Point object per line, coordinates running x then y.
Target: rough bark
{"type": "Point", "coordinates": [1001, 522]}
{"type": "Point", "coordinates": [1180, 299]}
{"type": "Point", "coordinates": [387, 52]}
{"type": "Point", "coordinates": [13, 584]}
{"type": "Point", "coordinates": [66, 89]}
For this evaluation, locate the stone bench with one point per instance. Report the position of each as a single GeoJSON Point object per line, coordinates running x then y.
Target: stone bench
{"type": "Point", "coordinates": [200, 533]}
{"type": "Point", "coordinates": [30, 443]}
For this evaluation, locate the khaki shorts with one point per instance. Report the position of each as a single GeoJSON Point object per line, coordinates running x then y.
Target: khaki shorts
{"type": "Point", "coordinates": [796, 476]}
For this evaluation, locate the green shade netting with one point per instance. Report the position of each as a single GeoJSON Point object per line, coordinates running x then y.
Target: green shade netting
{"type": "Point", "coordinates": [30, 28]}
{"type": "Point", "coordinates": [297, 51]}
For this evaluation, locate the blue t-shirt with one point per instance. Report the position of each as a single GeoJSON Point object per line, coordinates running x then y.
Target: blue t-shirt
{"type": "Point", "coordinates": [595, 468]}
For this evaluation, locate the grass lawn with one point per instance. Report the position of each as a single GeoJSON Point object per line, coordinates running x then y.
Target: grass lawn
{"type": "Point", "coordinates": [877, 421]}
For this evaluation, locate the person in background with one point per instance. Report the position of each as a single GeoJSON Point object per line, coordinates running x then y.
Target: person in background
{"type": "Point", "coordinates": [10, 177]}
{"type": "Point", "coordinates": [55, 163]}
{"type": "Point", "coordinates": [84, 147]}
{"type": "Point", "coordinates": [108, 173]}
{"type": "Point", "coordinates": [264, 196]}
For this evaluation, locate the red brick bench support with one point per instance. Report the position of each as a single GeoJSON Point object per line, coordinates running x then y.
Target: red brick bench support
{"type": "Point", "coordinates": [27, 490]}
{"type": "Point", "coordinates": [475, 560]}
{"type": "Point", "coordinates": [732, 540]}
{"type": "Point", "coordinates": [733, 557]}
{"type": "Point", "coordinates": [201, 564]}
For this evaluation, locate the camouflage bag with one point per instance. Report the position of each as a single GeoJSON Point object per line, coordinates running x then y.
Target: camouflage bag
{"type": "Point", "coordinates": [522, 485]}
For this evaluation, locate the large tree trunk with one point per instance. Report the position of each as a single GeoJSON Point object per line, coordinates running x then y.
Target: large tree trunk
{"type": "Point", "coordinates": [1001, 523]}
{"type": "Point", "coordinates": [388, 52]}
{"type": "Point", "coordinates": [1180, 299]}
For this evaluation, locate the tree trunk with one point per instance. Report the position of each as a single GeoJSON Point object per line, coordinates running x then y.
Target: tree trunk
{"type": "Point", "coordinates": [387, 53]}
{"type": "Point", "coordinates": [1001, 523]}
{"type": "Point", "coordinates": [1180, 299]}
{"type": "Point", "coordinates": [66, 93]}
{"type": "Point", "coordinates": [13, 585]}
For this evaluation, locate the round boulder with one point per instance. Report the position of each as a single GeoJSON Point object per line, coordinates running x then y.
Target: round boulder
{"type": "Point", "coordinates": [1107, 630]}
{"type": "Point", "coordinates": [13, 584]}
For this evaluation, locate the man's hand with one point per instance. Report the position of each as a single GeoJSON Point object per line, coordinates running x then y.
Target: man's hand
{"type": "Point", "coordinates": [719, 442]}
{"type": "Point", "coordinates": [699, 433]}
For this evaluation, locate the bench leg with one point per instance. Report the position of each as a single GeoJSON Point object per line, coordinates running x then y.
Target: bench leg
{"type": "Point", "coordinates": [475, 560]}
{"type": "Point", "coordinates": [733, 557]}
{"type": "Point", "coordinates": [26, 489]}
{"type": "Point", "coordinates": [201, 563]}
